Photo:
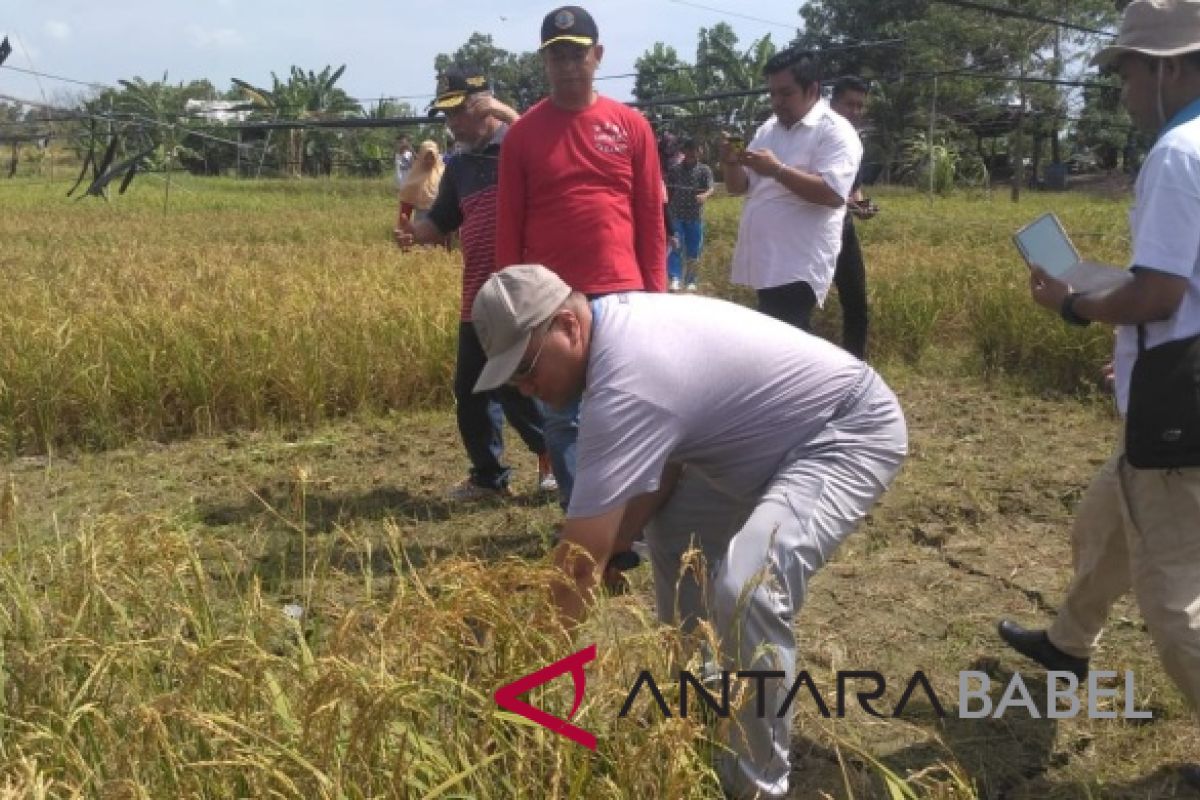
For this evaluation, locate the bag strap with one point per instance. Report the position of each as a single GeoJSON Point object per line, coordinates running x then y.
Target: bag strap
{"type": "Point", "coordinates": [1141, 339]}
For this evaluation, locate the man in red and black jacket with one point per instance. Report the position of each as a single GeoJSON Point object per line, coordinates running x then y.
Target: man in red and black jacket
{"type": "Point", "coordinates": [466, 202]}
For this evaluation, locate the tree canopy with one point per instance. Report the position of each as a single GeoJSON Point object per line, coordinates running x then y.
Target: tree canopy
{"type": "Point", "coordinates": [517, 78]}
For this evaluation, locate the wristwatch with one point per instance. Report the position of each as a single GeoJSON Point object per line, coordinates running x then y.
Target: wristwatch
{"type": "Point", "coordinates": [1067, 310]}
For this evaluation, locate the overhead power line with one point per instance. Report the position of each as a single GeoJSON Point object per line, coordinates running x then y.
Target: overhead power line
{"type": "Point", "coordinates": [988, 76]}
{"type": "Point", "coordinates": [38, 74]}
{"type": "Point", "coordinates": [727, 13]}
{"type": "Point", "coordinates": [349, 122]}
{"type": "Point", "coordinates": [1012, 13]}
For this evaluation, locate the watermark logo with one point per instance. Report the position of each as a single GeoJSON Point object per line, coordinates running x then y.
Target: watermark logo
{"type": "Point", "coordinates": [712, 695]}
{"type": "Point", "coordinates": [868, 688]}
{"type": "Point", "coordinates": [1060, 703]}
{"type": "Point", "coordinates": [507, 696]}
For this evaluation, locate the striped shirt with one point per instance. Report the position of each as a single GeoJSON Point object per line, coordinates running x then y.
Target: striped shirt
{"type": "Point", "coordinates": [466, 202]}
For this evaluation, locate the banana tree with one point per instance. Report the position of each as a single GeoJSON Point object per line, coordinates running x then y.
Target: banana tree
{"type": "Point", "coordinates": [721, 67]}
{"type": "Point", "coordinates": [304, 96]}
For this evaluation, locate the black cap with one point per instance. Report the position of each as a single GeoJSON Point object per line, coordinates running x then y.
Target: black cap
{"type": "Point", "coordinates": [454, 85]}
{"type": "Point", "coordinates": [569, 24]}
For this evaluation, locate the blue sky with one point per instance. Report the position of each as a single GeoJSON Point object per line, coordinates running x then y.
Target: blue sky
{"type": "Point", "coordinates": [388, 47]}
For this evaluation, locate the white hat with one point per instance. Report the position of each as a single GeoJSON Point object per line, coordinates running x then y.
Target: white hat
{"type": "Point", "coordinates": [1157, 28]}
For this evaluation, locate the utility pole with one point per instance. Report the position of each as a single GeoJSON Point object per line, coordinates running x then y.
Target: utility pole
{"type": "Point", "coordinates": [932, 121]}
{"type": "Point", "coordinates": [1018, 145]}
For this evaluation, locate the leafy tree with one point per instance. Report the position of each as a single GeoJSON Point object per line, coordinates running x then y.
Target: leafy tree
{"type": "Point", "coordinates": [147, 115]}
{"type": "Point", "coordinates": [721, 68]}
{"type": "Point", "coordinates": [972, 104]}
{"type": "Point", "coordinates": [518, 78]}
{"type": "Point", "coordinates": [1104, 130]}
{"type": "Point", "coordinates": [725, 68]}
{"type": "Point", "coordinates": [304, 96]}
{"type": "Point", "coordinates": [661, 73]}
{"type": "Point", "coordinates": [665, 79]}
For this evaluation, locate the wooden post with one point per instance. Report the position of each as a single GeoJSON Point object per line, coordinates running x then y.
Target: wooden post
{"type": "Point", "coordinates": [932, 120]}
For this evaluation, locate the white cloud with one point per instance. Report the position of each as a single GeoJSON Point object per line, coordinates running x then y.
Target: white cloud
{"type": "Point", "coordinates": [57, 29]}
{"type": "Point", "coordinates": [215, 38]}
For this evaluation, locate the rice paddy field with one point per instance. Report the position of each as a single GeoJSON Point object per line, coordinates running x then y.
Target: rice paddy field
{"type": "Point", "coordinates": [228, 567]}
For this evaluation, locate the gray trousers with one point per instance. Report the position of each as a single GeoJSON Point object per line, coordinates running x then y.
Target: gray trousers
{"type": "Point", "coordinates": [759, 557]}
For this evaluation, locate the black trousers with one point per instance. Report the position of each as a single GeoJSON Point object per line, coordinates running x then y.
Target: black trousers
{"type": "Point", "coordinates": [481, 416]}
{"type": "Point", "coordinates": [792, 302]}
{"type": "Point", "coordinates": [850, 278]}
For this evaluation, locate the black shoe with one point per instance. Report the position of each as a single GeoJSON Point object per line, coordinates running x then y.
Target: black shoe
{"type": "Point", "coordinates": [1190, 774]}
{"type": "Point", "coordinates": [1037, 646]}
{"type": "Point", "coordinates": [625, 561]}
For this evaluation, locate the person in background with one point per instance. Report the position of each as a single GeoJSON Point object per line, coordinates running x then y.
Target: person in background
{"type": "Point", "coordinates": [798, 171]}
{"type": "Point", "coordinates": [404, 162]}
{"type": "Point", "coordinates": [689, 185]}
{"type": "Point", "coordinates": [1138, 527]}
{"type": "Point", "coordinates": [420, 186]}
{"type": "Point", "coordinates": [669, 156]}
{"type": "Point", "coordinates": [466, 202]}
{"type": "Point", "coordinates": [849, 99]}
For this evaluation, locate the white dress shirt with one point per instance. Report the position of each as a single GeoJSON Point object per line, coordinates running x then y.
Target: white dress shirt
{"type": "Point", "coordinates": [783, 239]}
{"type": "Point", "coordinates": [1166, 239]}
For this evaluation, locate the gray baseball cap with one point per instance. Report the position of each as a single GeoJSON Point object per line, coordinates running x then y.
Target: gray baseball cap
{"type": "Point", "coordinates": [506, 311]}
{"type": "Point", "coordinates": [1157, 28]}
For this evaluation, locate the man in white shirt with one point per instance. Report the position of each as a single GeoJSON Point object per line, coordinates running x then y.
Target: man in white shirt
{"type": "Point", "coordinates": [798, 170]}
{"type": "Point", "coordinates": [1136, 526]}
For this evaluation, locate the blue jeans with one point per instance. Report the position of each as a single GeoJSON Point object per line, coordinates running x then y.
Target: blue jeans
{"type": "Point", "coordinates": [561, 428]}
{"type": "Point", "coordinates": [481, 416]}
{"type": "Point", "coordinates": [691, 243]}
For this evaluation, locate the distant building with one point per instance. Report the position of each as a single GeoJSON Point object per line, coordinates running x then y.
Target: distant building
{"type": "Point", "coordinates": [217, 110]}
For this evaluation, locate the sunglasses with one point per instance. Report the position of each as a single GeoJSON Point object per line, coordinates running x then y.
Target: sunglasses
{"type": "Point", "coordinates": [525, 369]}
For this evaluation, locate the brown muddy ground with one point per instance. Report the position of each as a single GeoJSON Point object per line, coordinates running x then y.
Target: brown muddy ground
{"type": "Point", "coordinates": [975, 529]}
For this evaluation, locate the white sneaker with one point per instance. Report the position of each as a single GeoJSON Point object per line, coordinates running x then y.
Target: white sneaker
{"type": "Point", "coordinates": [546, 481]}
{"type": "Point", "coordinates": [675, 285]}
{"type": "Point", "coordinates": [468, 492]}
{"type": "Point", "coordinates": [691, 287]}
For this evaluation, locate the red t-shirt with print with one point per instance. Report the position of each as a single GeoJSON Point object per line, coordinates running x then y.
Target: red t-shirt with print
{"type": "Point", "coordinates": [581, 193]}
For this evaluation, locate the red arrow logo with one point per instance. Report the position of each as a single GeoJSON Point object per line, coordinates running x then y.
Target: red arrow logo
{"type": "Point", "coordinates": [506, 696]}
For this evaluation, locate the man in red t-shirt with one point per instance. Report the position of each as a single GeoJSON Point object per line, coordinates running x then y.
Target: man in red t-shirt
{"type": "Point", "coordinates": [580, 192]}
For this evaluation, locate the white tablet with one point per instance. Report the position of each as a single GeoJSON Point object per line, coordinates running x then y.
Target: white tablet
{"type": "Point", "coordinates": [1044, 242]}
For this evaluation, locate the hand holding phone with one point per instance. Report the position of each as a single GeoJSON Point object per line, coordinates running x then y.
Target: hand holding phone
{"type": "Point", "coordinates": [864, 208]}
{"type": "Point", "coordinates": [732, 148]}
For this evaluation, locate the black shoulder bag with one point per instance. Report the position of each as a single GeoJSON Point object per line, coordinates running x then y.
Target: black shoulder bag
{"type": "Point", "coordinates": [1162, 426]}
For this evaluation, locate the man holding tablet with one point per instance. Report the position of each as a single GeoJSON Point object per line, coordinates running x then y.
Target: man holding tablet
{"type": "Point", "coordinates": [1045, 244]}
{"type": "Point", "coordinates": [1137, 525]}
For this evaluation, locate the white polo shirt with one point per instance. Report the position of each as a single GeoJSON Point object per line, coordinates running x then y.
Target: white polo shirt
{"type": "Point", "coordinates": [1165, 222]}
{"type": "Point", "coordinates": [783, 239]}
